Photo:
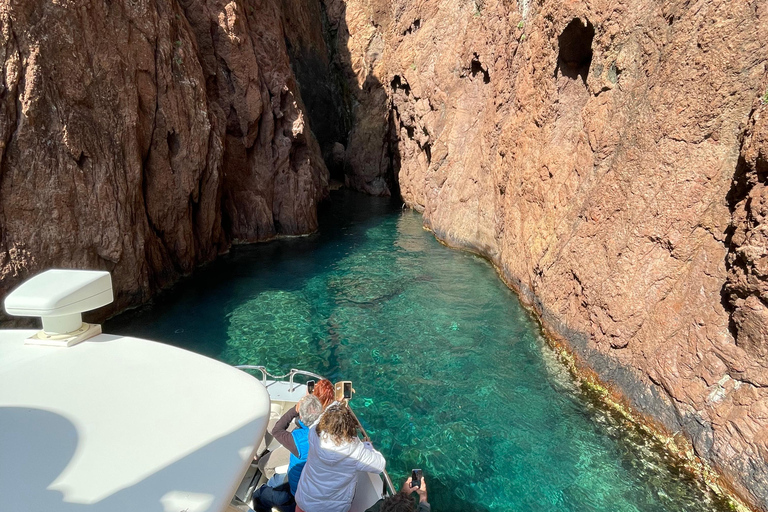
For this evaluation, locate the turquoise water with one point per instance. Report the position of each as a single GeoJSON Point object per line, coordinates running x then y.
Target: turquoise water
{"type": "Point", "coordinates": [451, 373]}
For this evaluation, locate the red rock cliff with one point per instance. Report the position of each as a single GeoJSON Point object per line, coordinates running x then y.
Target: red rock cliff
{"type": "Point", "coordinates": [611, 158]}
{"type": "Point", "coordinates": [145, 136]}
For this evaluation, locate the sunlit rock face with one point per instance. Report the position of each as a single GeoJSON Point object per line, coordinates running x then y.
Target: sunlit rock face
{"type": "Point", "coordinates": [144, 137]}
{"type": "Point", "coordinates": [610, 158]}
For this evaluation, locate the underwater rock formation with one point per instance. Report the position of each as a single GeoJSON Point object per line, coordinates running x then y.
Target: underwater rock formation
{"type": "Point", "coordinates": [610, 159]}
{"type": "Point", "coordinates": [145, 136]}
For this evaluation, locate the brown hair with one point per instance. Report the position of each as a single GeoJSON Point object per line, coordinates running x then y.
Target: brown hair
{"type": "Point", "coordinates": [339, 423]}
{"type": "Point", "coordinates": [324, 391]}
{"type": "Point", "coordinates": [399, 502]}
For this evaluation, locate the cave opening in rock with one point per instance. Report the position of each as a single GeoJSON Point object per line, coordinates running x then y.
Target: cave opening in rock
{"type": "Point", "coordinates": [575, 45]}
{"type": "Point", "coordinates": [477, 67]}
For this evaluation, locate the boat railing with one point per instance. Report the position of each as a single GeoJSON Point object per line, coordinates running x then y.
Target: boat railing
{"type": "Point", "coordinates": [387, 480]}
{"type": "Point", "coordinates": [290, 375]}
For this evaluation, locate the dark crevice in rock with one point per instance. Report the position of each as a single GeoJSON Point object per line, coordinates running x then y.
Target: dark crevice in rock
{"type": "Point", "coordinates": [476, 67]}
{"type": "Point", "coordinates": [393, 155]}
{"type": "Point", "coordinates": [323, 89]}
{"type": "Point", "coordinates": [174, 145]}
{"type": "Point", "coordinates": [416, 25]}
{"type": "Point", "coordinates": [575, 44]}
{"type": "Point", "coordinates": [81, 160]}
{"type": "Point", "coordinates": [397, 83]}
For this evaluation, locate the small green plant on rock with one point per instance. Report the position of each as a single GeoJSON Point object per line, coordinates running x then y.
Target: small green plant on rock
{"type": "Point", "coordinates": [478, 8]}
{"type": "Point", "coordinates": [764, 99]}
{"type": "Point", "coordinates": [521, 24]}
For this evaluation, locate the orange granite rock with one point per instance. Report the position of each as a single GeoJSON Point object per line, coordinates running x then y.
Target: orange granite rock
{"type": "Point", "coordinates": [610, 158]}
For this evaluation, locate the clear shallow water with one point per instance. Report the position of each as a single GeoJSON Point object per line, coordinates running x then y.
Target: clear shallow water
{"type": "Point", "coordinates": [451, 374]}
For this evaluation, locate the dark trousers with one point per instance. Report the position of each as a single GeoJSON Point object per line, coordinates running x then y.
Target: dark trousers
{"type": "Point", "coordinates": [266, 497]}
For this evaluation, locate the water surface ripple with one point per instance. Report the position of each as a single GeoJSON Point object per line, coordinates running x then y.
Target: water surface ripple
{"type": "Point", "coordinates": [451, 374]}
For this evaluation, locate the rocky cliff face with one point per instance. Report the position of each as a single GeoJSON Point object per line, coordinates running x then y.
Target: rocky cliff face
{"type": "Point", "coordinates": [145, 136]}
{"type": "Point", "coordinates": [610, 158]}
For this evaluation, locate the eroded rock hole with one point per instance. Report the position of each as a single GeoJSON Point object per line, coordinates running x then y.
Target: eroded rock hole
{"type": "Point", "coordinates": [81, 160]}
{"type": "Point", "coordinates": [174, 145]}
{"type": "Point", "coordinates": [398, 84]}
{"type": "Point", "coordinates": [575, 45]}
{"type": "Point", "coordinates": [477, 67]}
{"type": "Point", "coordinates": [416, 25]}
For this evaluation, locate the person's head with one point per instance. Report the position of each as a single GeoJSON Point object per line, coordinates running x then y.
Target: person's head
{"type": "Point", "coordinates": [399, 502]}
{"type": "Point", "coordinates": [310, 409]}
{"type": "Point", "coordinates": [339, 424]}
{"type": "Point", "coordinates": [324, 391]}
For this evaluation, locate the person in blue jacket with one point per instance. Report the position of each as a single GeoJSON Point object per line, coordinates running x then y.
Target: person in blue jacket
{"type": "Point", "coordinates": [279, 491]}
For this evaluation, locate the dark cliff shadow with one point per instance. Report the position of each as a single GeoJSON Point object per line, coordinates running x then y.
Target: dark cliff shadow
{"type": "Point", "coordinates": [351, 122]}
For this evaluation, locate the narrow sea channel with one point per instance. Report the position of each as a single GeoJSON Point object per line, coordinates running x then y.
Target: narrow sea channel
{"type": "Point", "coordinates": [451, 373]}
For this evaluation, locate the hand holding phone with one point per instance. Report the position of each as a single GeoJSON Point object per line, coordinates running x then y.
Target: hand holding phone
{"type": "Point", "coordinates": [310, 386]}
{"type": "Point", "coordinates": [416, 478]}
{"type": "Point", "coordinates": [343, 390]}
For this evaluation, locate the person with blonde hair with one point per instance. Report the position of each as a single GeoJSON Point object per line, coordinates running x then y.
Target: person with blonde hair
{"type": "Point", "coordinates": [335, 456]}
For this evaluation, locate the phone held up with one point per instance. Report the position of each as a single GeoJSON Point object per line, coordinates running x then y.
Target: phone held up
{"type": "Point", "coordinates": [310, 386]}
{"type": "Point", "coordinates": [343, 390]}
{"type": "Point", "coordinates": [416, 478]}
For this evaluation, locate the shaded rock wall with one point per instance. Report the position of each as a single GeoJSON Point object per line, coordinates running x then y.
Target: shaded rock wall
{"type": "Point", "coordinates": [144, 137]}
{"type": "Point", "coordinates": [610, 158]}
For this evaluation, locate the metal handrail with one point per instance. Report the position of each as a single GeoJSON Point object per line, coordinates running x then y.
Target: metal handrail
{"type": "Point", "coordinates": [387, 480]}
{"type": "Point", "coordinates": [290, 375]}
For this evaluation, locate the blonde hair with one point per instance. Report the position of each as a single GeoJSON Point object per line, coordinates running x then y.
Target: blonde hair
{"type": "Point", "coordinates": [339, 424]}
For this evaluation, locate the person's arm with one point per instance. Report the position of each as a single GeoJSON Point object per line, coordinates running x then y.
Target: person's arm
{"type": "Point", "coordinates": [280, 431]}
{"type": "Point", "coordinates": [424, 505]}
{"type": "Point", "coordinates": [369, 459]}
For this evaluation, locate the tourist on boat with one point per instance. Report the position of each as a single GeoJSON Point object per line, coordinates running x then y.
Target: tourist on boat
{"type": "Point", "coordinates": [324, 391]}
{"type": "Point", "coordinates": [402, 501]}
{"type": "Point", "coordinates": [279, 490]}
{"type": "Point", "coordinates": [328, 481]}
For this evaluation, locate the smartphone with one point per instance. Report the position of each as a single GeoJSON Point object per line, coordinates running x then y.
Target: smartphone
{"type": "Point", "coordinates": [343, 390]}
{"type": "Point", "coordinates": [310, 386]}
{"type": "Point", "coordinates": [416, 478]}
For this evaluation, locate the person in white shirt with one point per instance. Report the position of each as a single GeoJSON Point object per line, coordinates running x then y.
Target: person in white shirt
{"type": "Point", "coordinates": [328, 481]}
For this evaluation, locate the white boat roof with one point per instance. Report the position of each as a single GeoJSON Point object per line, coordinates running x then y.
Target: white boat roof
{"type": "Point", "coordinates": [123, 424]}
